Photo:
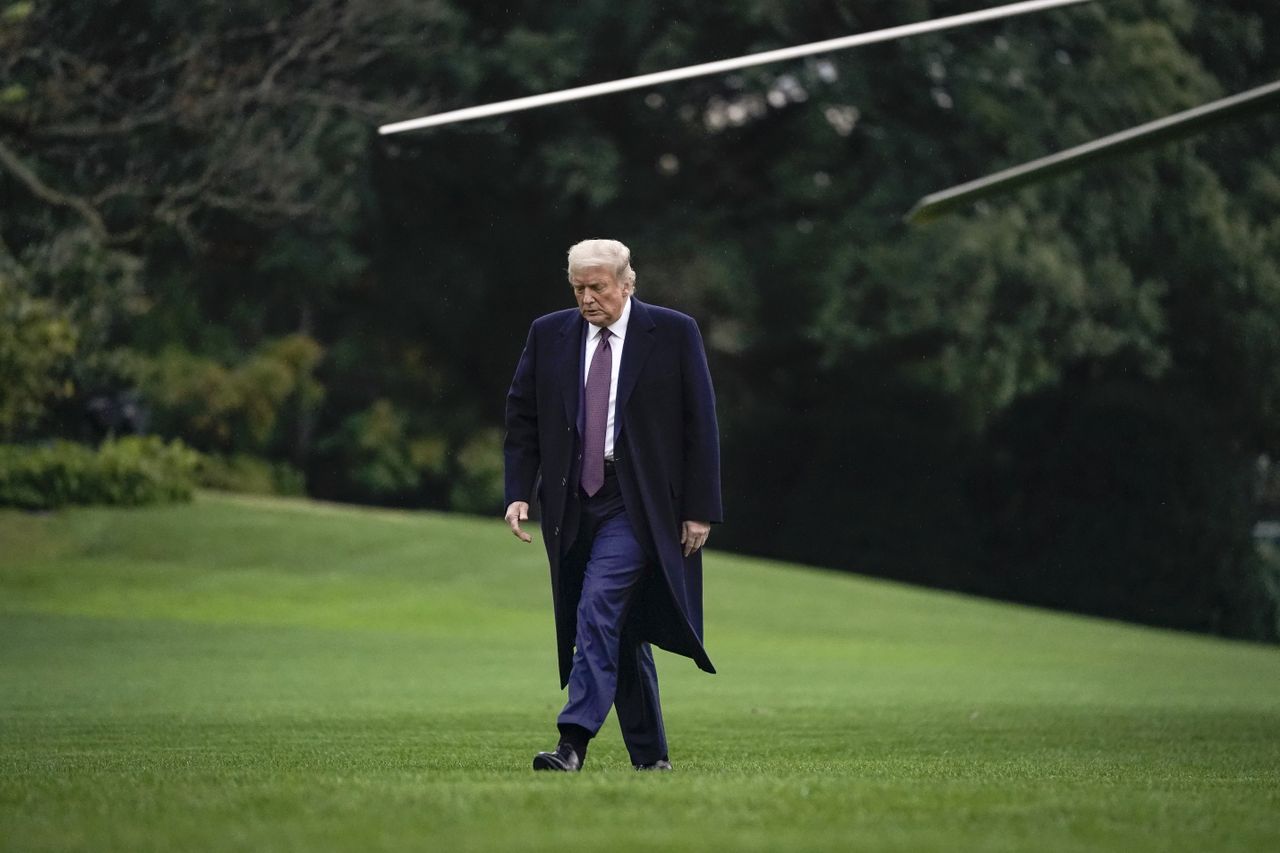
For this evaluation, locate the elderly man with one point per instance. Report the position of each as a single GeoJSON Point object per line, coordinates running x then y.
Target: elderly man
{"type": "Point", "coordinates": [611, 415]}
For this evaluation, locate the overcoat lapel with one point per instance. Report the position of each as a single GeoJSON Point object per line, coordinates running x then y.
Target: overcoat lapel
{"type": "Point", "coordinates": [569, 367]}
{"type": "Point", "coordinates": [634, 353]}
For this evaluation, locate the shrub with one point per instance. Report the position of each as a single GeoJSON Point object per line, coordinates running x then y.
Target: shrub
{"type": "Point", "coordinates": [37, 344]}
{"type": "Point", "coordinates": [376, 455]}
{"type": "Point", "coordinates": [244, 406]}
{"type": "Point", "coordinates": [477, 486]}
{"type": "Point", "coordinates": [128, 472]}
{"type": "Point", "coordinates": [240, 472]}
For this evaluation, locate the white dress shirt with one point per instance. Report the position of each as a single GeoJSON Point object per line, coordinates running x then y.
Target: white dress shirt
{"type": "Point", "coordinates": [619, 336]}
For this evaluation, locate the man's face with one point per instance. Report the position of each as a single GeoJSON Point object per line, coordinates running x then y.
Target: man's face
{"type": "Point", "coordinates": [600, 296]}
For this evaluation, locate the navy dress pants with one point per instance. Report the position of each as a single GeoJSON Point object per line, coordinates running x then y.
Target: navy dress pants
{"type": "Point", "coordinates": [611, 666]}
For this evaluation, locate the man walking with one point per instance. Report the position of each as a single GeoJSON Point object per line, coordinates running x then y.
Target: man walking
{"type": "Point", "coordinates": [611, 416]}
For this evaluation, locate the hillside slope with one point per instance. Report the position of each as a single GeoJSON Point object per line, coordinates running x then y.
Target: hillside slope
{"type": "Point", "coordinates": [245, 673]}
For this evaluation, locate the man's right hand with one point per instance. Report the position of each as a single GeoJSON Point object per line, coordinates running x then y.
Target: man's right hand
{"type": "Point", "coordinates": [516, 513]}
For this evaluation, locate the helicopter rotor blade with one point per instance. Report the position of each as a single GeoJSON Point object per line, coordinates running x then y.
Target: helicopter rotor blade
{"type": "Point", "coordinates": [1167, 129]}
{"type": "Point", "coordinates": [721, 66]}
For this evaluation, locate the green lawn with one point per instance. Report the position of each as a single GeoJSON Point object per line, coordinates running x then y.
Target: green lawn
{"type": "Point", "coordinates": [253, 674]}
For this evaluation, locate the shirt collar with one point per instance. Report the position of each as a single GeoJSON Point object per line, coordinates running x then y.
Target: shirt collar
{"type": "Point", "coordinates": [619, 327]}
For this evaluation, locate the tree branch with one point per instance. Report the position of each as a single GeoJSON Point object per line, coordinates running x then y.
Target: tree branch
{"type": "Point", "coordinates": [28, 178]}
{"type": "Point", "coordinates": [91, 131]}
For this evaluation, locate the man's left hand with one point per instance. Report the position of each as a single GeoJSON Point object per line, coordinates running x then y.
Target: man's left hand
{"type": "Point", "coordinates": [693, 535]}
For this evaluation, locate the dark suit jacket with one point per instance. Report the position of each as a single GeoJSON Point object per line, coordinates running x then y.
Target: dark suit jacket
{"type": "Point", "coordinates": [667, 451]}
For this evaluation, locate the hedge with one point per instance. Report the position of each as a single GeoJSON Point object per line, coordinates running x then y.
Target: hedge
{"type": "Point", "coordinates": [126, 471]}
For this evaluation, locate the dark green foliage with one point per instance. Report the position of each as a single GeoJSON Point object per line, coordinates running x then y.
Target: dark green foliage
{"type": "Point", "coordinates": [888, 455]}
{"type": "Point", "coordinates": [240, 472]}
{"type": "Point", "coordinates": [37, 343]}
{"type": "Point", "coordinates": [372, 456]}
{"type": "Point", "coordinates": [129, 471]}
{"type": "Point", "coordinates": [247, 406]}
{"type": "Point", "coordinates": [1108, 496]}
{"type": "Point", "coordinates": [477, 483]}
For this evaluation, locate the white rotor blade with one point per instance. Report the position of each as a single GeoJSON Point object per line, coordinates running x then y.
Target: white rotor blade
{"type": "Point", "coordinates": [719, 67]}
{"type": "Point", "coordinates": [1158, 132]}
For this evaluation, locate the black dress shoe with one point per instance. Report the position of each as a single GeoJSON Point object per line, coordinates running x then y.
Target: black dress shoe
{"type": "Point", "coordinates": [564, 759]}
{"type": "Point", "coordinates": [660, 764]}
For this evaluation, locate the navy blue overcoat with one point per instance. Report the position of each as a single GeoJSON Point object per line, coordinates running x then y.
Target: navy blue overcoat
{"type": "Point", "coordinates": [666, 449]}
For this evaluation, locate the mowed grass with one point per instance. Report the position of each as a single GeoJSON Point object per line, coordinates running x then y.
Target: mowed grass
{"type": "Point", "coordinates": [254, 674]}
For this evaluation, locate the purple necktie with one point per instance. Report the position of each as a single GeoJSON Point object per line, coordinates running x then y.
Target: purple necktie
{"type": "Point", "coordinates": [599, 377]}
